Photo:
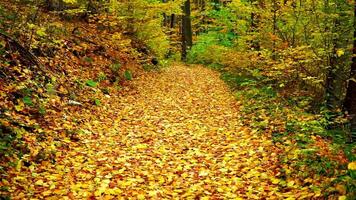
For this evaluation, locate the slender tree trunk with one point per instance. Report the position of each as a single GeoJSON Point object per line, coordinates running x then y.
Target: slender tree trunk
{"type": "Point", "coordinates": [187, 40]}
{"type": "Point", "coordinates": [274, 10]}
{"type": "Point", "coordinates": [338, 64]}
{"type": "Point", "coordinates": [54, 5]}
{"type": "Point", "coordinates": [168, 20]}
{"type": "Point", "coordinates": [173, 20]}
{"type": "Point", "coordinates": [255, 20]}
{"type": "Point", "coordinates": [165, 17]}
{"type": "Point", "coordinates": [350, 100]}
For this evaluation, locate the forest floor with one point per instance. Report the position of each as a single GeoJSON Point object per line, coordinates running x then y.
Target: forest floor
{"type": "Point", "coordinates": [178, 134]}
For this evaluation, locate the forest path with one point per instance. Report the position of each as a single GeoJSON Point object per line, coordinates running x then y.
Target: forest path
{"type": "Point", "coordinates": [178, 135]}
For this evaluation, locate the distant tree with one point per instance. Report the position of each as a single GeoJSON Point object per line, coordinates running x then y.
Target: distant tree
{"type": "Point", "coordinates": [186, 29]}
{"type": "Point", "coordinates": [169, 20]}
{"type": "Point", "coordinates": [350, 100]}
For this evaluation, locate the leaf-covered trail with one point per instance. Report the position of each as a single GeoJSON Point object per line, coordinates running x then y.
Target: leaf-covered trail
{"type": "Point", "coordinates": [177, 135]}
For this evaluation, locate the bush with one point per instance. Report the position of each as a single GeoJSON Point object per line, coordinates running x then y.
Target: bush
{"type": "Point", "coordinates": [209, 49]}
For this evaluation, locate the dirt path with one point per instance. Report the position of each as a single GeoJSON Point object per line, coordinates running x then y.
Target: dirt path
{"type": "Point", "coordinates": [177, 136]}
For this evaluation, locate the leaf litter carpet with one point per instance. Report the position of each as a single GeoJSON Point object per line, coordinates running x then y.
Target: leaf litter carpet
{"type": "Point", "coordinates": [177, 135]}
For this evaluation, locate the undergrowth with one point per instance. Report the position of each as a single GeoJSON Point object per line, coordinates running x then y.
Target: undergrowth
{"type": "Point", "coordinates": [308, 145]}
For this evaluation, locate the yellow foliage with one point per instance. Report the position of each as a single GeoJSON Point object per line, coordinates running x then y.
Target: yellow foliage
{"type": "Point", "coordinates": [352, 165]}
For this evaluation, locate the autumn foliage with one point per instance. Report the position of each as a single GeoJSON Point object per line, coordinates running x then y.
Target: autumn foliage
{"type": "Point", "coordinates": [95, 102]}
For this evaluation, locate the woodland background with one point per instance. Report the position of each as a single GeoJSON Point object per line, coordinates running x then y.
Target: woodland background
{"type": "Point", "coordinates": [291, 64]}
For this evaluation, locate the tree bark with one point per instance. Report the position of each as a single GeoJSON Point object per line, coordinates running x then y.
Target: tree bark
{"type": "Point", "coordinates": [187, 40]}
{"type": "Point", "coordinates": [338, 64]}
{"type": "Point", "coordinates": [350, 99]}
{"type": "Point", "coordinates": [54, 5]}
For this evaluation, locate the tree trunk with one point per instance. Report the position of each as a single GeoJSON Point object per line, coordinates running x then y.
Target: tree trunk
{"type": "Point", "coordinates": [274, 28]}
{"type": "Point", "coordinates": [187, 40]}
{"type": "Point", "coordinates": [350, 99]}
{"type": "Point", "coordinates": [54, 5]}
{"type": "Point", "coordinates": [255, 20]}
{"type": "Point", "coordinates": [173, 21]}
{"type": "Point", "coordinates": [165, 17]}
{"type": "Point", "coordinates": [168, 20]}
{"type": "Point", "coordinates": [338, 64]}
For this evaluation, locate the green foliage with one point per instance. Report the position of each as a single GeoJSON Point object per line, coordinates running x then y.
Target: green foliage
{"type": "Point", "coordinates": [128, 75]}
{"type": "Point", "coordinates": [42, 110]}
{"type": "Point", "coordinates": [207, 44]}
{"type": "Point", "coordinates": [4, 188]}
{"type": "Point", "coordinates": [7, 19]}
{"type": "Point", "coordinates": [91, 83]}
{"type": "Point", "coordinates": [5, 197]}
{"type": "Point", "coordinates": [50, 88]}
{"type": "Point", "coordinates": [263, 108]}
{"type": "Point", "coordinates": [88, 59]}
{"type": "Point", "coordinates": [237, 80]}
{"type": "Point", "coordinates": [2, 46]}
{"type": "Point", "coordinates": [350, 152]}
{"type": "Point", "coordinates": [305, 127]}
{"type": "Point", "coordinates": [317, 164]}
{"type": "Point", "coordinates": [115, 67]}
{"type": "Point", "coordinates": [152, 34]}
{"type": "Point", "coordinates": [97, 102]}
{"type": "Point", "coordinates": [149, 67]}
{"type": "Point", "coordinates": [101, 77]}
{"type": "Point", "coordinates": [10, 140]}
{"type": "Point", "coordinates": [266, 50]}
{"type": "Point", "coordinates": [27, 101]}
{"type": "Point", "coordinates": [224, 21]}
{"type": "Point", "coordinates": [143, 18]}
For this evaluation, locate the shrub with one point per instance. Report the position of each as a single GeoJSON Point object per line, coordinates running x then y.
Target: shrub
{"type": "Point", "coordinates": [208, 49]}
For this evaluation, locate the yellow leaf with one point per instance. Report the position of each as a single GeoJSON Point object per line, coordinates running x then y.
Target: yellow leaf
{"type": "Point", "coordinates": [41, 32]}
{"type": "Point", "coordinates": [20, 106]}
{"type": "Point", "coordinates": [203, 173]}
{"type": "Point", "coordinates": [275, 180]}
{"type": "Point", "coordinates": [70, 1]}
{"type": "Point", "coordinates": [141, 197]}
{"type": "Point", "coordinates": [221, 189]}
{"type": "Point", "coordinates": [117, 191]}
{"type": "Point", "coordinates": [52, 186]}
{"type": "Point", "coordinates": [342, 198]}
{"type": "Point", "coordinates": [39, 182]}
{"type": "Point", "coordinates": [47, 193]}
{"type": "Point", "coordinates": [18, 166]}
{"type": "Point", "coordinates": [152, 193]}
{"type": "Point", "coordinates": [352, 166]}
{"type": "Point", "coordinates": [140, 146]}
{"type": "Point", "coordinates": [31, 26]}
{"type": "Point", "coordinates": [98, 193]}
{"type": "Point", "coordinates": [161, 180]}
{"type": "Point", "coordinates": [290, 183]}
{"type": "Point", "coordinates": [179, 168]}
{"type": "Point", "coordinates": [340, 52]}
